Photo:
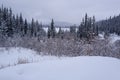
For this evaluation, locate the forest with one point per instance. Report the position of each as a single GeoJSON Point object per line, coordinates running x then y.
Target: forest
{"type": "Point", "coordinates": [82, 40]}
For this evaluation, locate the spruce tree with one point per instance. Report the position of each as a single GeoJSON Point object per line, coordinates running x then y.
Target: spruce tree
{"type": "Point", "coordinates": [49, 32]}
{"type": "Point", "coordinates": [21, 25]}
{"type": "Point", "coordinates": [9, 26]}
{"type": "Point", "coordinates": [32, 28]}
{"type": "Point", "coordinates": [25, 27]}
{"type": "Point", "coordinates": [53, 32]}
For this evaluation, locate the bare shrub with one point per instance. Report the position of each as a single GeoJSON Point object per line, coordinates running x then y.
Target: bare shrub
{"type": "Point", "coordinates": [66, 47]}
{"type": "Point", "coordinates": [22, 61]}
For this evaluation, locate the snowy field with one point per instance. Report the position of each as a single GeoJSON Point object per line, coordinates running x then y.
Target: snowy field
{"type": "Point", "coordinates": [53, 68]}
{"type": "Point", "coordinates": [25, 64]}
{"type": "Point", "coordinates": [12, 56]}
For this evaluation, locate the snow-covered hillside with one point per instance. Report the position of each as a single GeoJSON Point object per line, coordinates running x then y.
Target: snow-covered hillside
{"type": "Point", "coordinates": [79, 68]}
{"type": "Point", "coordinates": [12, 56]}
{"type": "Point", "coordinates": [53, 68]}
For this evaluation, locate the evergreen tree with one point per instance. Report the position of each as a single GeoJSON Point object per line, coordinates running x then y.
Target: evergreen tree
{"type": "Point", "coordinates": [49, 32]}
{"type": "Point", "coordinates": [87, 28]}
{"type": "Point", "coordinates": [25, 27]}
{"type": "Point", "coordinates": [0, 16]}
{"type": "Point", "coordinates": [53, 32]}
{"type": "Point", "coordinates": [21, 25]}
{"type": "Point", "coordinates": [9, 26]}
{"type": "Point", "coordinates": [32, 28]}
{"type": "Point", "coordinates": [93, 24]}
{"type": "Point", "coordinates": [73, 29]}
{"type": "Point", "coordinates": [14, 24]}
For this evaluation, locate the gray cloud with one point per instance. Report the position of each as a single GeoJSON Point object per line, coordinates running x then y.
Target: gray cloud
{"type": "Point", "coordinates": [64, 10]}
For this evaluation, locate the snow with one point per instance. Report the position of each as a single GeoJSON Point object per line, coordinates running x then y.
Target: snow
{"type": "Point", "coordinates": [11, 56]}
{"type": "Point", "coordinates": [53, 68]}
{"type": "Point", "coordinates": [113, 38]}
{"type": "Point", "coordinates": [46, 29]}
{"type": "Point", "coordinates": [57, 29]}
{"type": "Point", "coordinates": [101, 36]}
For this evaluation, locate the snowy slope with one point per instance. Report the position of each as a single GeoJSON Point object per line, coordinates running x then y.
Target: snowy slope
{"type": "Point", "coordinates": [79, 68]}
{"type": "Point", "coordinates": [11, 56]}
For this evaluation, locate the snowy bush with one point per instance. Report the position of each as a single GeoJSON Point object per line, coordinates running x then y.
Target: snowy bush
{"type": "Point", "coordinates": [66, 47]}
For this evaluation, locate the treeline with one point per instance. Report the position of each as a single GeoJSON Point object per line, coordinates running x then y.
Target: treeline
{"type": "Point", "coordinates": [15, 25]}
{"type": "Point", "coordinates": [110, 25]}
{"type": "Point", "coordinates": [11, 25]}
{"type": "Point", "coordinates": [87, 30]}
{"type": "Point", "coordinates": [82, 40]}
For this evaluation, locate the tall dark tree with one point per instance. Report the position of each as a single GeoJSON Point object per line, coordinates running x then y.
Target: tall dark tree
{"type": "Point", "coordinates": [73, 29]}
{"type": "Point", "coordinates": [49, 32]}
{"type": "Point", "coordinates": [32, 27]}
{"type": "Point", "coordinates": [9, 26]}
{"type": "Point", "coordinates": [0, 16]}
{"type": "Point", "coordinates": [25, 27]}
{"type": "Point", "coordinates": [87, 28]}
{"type": "Point", "coordinates": [93, 24]}
{"type": "Point", "coordinates": [21, 25]}
{"type": "Point", "coordinates": [53, 32]}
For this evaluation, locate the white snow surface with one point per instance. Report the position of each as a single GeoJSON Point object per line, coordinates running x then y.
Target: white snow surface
{"type": "Point", "coordinates": [79, 68]}
{"type": "Point", "coordinates": [11, 56]}
{"type": "Point", "coordinates": [113, 38]}
{"type": "Point", "coordinates": [57, 29]}
{"type": "Point", "coordinates": [101, 36]}
{"type": "Point", "coordinates": [53, 68]}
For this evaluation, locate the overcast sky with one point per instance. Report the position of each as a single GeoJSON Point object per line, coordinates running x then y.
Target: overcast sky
{"type": "Point", "coordinates": [64, 10]}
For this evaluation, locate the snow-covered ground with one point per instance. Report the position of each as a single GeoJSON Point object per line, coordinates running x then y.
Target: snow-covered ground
{"type": "Point", "coordinates": [101, 36]}
{"type": "Point", "coordinates": [53, 68]}
{"type": "Point", "coordinates": [113, 38]}
{"type": "Point", "coordinates": [79, 68]}
{"type": "Point", "coordinates": [57, 29]}
{"type": "Point", "coordinates": [12, 56]}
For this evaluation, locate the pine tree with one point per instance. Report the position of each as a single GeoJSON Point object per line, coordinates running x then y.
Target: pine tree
{"type": "Point", "coordinates": [32, 28]}
{"type": "Point", "coordinates": [25, 27]}
{"type": "Point", "coordinates": [53, 32]}
{"type": "Point", "coordinates": [86, 22]}
{"type": "Point", "coordinates": [87, 28]}
{"type": "Point", "coordinates": [9, 28]}
{"type": "Point", "coordinates": [21, 24]}
{"type": "Point", "coordinates": [0, 16]}
{"type": "Point", "coordinates": [73, 29]}
{"type": "Point", "coordinates": [49, 32]}
{"type": "Point", "coordinates": [93, 24]}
